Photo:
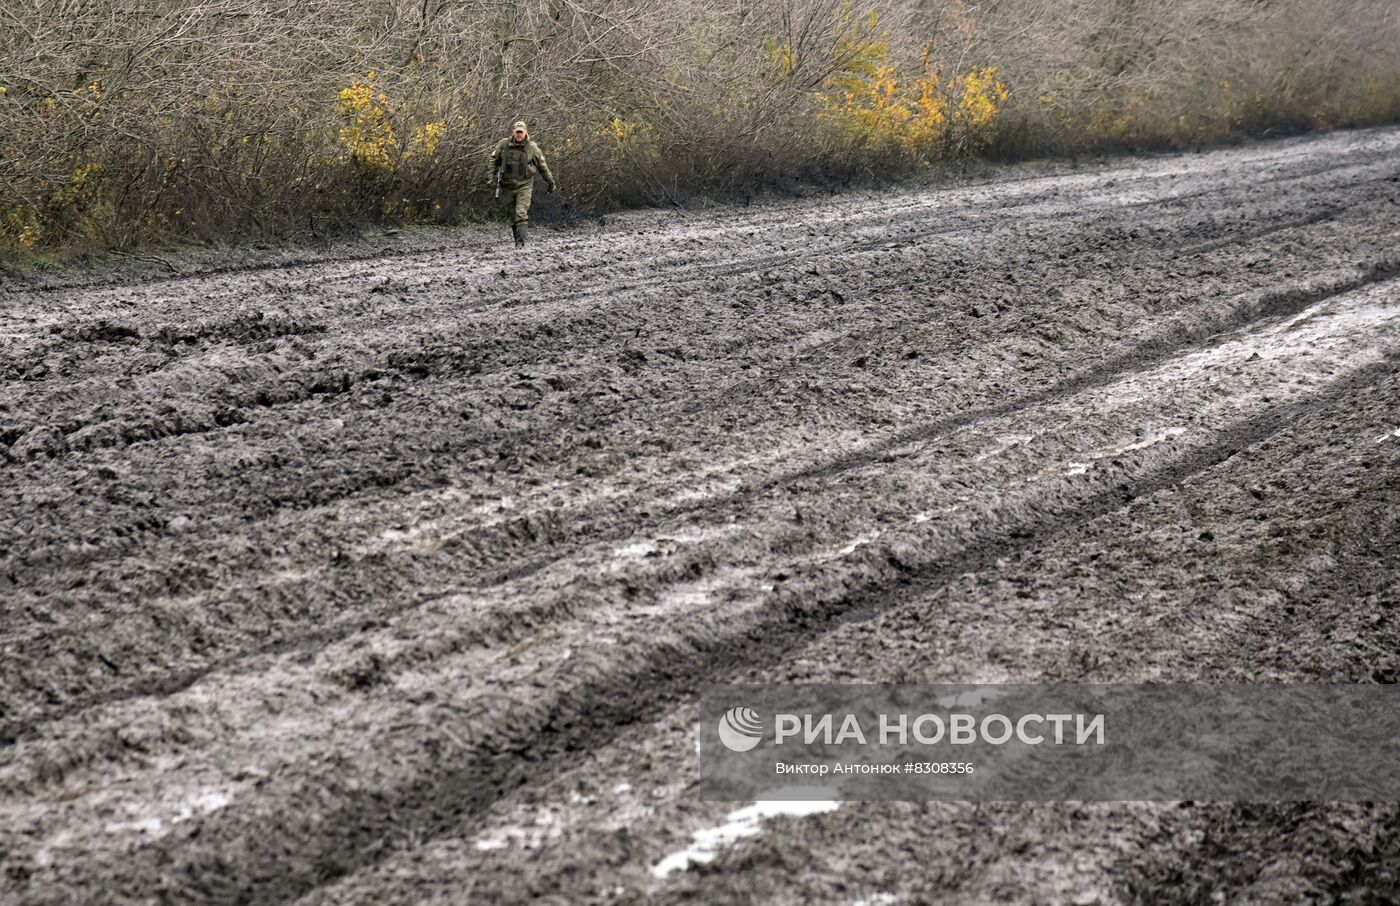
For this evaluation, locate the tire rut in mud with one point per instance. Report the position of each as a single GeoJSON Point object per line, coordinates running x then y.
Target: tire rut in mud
{"type": "Point", "coordinates": [1272, 305]}
{"type": "Point", "coordinates": [595, 710]}
{"type": "Point", "coordinates": [1273, 302]}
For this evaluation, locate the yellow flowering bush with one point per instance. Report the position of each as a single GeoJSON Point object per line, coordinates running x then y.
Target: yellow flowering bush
{"type": "Point", "coordinates": [869, 102]}
{"type": "Point", "coordinates": [930, 110]}
{"type": "Point", "coordinates": [981, 96]}
{"type": "Point", "coordinates": [623, 131]}
{"type": "Point", "coordinates": [370, 136]}
{"type": "Point", "coordinates": [425, 139]}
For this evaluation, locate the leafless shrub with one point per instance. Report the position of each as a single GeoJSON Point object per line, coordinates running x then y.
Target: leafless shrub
{"type": "Point", "coordinates": [127, 120]}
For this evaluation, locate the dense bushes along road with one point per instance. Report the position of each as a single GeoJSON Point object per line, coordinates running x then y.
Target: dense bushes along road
{"type": "Point", "coordinates": [230, 118]}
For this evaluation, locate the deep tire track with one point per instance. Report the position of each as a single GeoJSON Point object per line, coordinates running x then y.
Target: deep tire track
{"type": "Point", "coordinates": [1272, 306]}
{"type": "Point", "coordinates": [373, 827]}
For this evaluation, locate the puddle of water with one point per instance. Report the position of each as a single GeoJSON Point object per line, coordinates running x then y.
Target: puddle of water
{"type": "Point", "coordinates": [877, 899]}
{"type": "Point", "coordinates": [200, 803]}
{"type": "Point", "coordinates": [636, 549]}
{"type": "Point", "coordinates": [859, 542]}
{"type": "Point", "coordinates": [690, 596]}
{"type": "Point", "coordinates": [545, 825]}
{"type": "Point", "coordinates": [706, 843]}
{"type": "Point", "coordinates": [1079, 468]}
{"type": "Point", "coordinates": [1149, 441]}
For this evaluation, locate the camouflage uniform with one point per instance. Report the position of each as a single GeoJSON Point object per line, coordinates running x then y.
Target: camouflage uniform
{"type": "Point", "coordinates": [518, 163]}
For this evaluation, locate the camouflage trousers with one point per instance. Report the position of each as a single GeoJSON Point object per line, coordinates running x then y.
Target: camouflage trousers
{"type": "Point", "coordinates": [517, 201]}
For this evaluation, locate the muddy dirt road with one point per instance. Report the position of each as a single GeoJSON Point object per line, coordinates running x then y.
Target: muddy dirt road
{"type": "Point", "coordinates": [388, 573]}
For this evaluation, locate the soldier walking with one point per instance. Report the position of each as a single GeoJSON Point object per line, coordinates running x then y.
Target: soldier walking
{"type": "Point", "coordinates": [515, 162]}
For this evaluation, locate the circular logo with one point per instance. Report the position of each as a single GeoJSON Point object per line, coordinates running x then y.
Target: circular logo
{"type": "Point", "coordinates": [740, 729]}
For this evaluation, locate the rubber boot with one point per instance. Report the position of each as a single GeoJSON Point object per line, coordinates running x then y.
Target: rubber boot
{"type": "Point", "coordinates": [520, 234]}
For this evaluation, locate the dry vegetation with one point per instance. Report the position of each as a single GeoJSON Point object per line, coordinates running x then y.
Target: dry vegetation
{"type": "Point", "coordinates": [123, 121]}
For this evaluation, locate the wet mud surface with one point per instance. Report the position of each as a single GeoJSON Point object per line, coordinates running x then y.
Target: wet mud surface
{"type": "Point", "coordinates": [389, 575]}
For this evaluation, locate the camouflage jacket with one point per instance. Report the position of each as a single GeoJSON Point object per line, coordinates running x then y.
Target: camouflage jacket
{"type": "Point", "coordinates": [520, 162]}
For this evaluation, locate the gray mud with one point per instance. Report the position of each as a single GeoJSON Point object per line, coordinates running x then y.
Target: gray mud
{"type": "Point", "coordinates": [389, 575]}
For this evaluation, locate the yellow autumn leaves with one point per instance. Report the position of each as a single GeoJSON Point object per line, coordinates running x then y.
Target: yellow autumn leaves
{"type": "Point", "coordinates": [871, 102]}
{"type": "Point", "coordinates": [370, 135]}
{"type": "Point", "coordinates": [69, 208]}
